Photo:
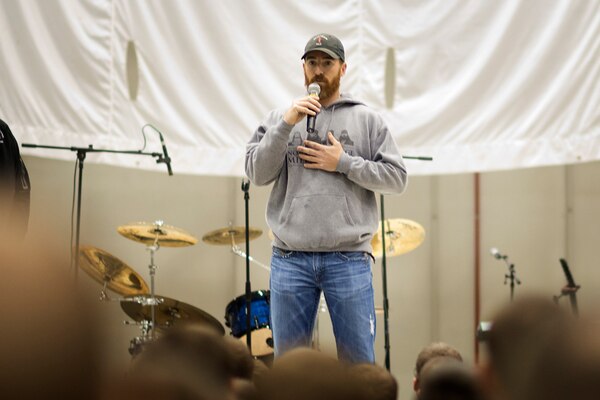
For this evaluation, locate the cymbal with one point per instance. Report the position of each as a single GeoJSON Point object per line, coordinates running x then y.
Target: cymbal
{"type": "Point", "coordinates": [402, 236]}
{"type": "Point", "coordinates": [168, 312]}
{"type": "Point", "coordinates": [166, 235]}
{"type": "Point", "coordinates": [224, 235]}
{"type": "Point", "coordinates": [104, 267]}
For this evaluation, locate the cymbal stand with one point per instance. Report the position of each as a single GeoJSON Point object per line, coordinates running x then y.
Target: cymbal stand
{"type": "Point", "coordinates": [136, 344]}
{"type": "Point", "coordinates": [322, 307]}
{"type": "Point", "coordinates": [152, 268]}
{"type": "Point", "coordinates": [103, 295]}
{"type": "Point", "coordinates": [238, 252]}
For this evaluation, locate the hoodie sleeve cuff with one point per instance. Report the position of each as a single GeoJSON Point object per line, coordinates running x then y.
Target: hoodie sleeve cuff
{"type": "Point", "coordinates": [284, 127]}
{"type": "Point", "coordinates": [343, 165]}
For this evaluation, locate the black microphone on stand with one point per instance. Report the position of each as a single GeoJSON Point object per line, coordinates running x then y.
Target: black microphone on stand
{"type": "Point", "coordinates": [313, 91]}
{"type": "Point", "coordinates": [164, 148]}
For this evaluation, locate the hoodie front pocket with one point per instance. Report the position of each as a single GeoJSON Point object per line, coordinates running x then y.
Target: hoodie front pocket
{"type": "Point", "coordinates": [319, 222]}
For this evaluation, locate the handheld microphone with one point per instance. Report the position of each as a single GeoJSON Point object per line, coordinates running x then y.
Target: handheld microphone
{"type": "Point", "coordinates": [164, 148]}
{"type": "Point", "coordinates": [313, 91]}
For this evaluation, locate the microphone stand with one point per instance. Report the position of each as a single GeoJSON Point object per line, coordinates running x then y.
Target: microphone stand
{"type": "Point", "coordinates": [81, 155]}
{"type": "Point", "coordinates": [570, 289]}
{"type": "Point", "coordinates": [245, 189]}
{"type": "Point", "coordinates": [511, 276]}
{"type": "Point", "coordinates": [386, 314]}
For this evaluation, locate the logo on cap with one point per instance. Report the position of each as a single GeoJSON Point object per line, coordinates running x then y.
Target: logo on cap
{"type": "Point", "coordinates": [318, 39]}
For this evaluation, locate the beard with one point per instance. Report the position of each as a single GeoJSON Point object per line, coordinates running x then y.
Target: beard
{"type": "Point", "coordinates": [328, 87]}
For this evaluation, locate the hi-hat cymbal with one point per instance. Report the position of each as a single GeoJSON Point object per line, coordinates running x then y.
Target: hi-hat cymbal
{"type": "Point", "coordinates": [402, 236]}
{"type": "Point", "coordinates": [106, 268]}
{"type": "Point", "coordinates": [165, 235]}
{"type": "Point", "coordinates": [168, 312]}
{"type": "Point", "coordinates": [230, 235]}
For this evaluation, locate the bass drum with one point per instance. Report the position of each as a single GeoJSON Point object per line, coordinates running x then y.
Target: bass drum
{"type": "Point", "coordinates": [260, 314]}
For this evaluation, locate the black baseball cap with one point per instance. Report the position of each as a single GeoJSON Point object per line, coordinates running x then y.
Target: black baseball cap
{"type": "Point", "coordinates": [326, 43]}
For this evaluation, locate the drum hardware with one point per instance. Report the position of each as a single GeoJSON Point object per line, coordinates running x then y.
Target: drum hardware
{"type": "Point", "coordinates": [402, 236]}
{"type": "Point", "coordinates": [81, 156]}
{"type": "Point", "coordinates": [152, 269]}
{"type": "Point", "coordinates": [113, 273]}
{"type": "Point", "coordinates": [154, 236]}
{"type": "Point", "coordinates": [322, 307]}
{"type": "Point", "coordinates": [157, 233]}
{"type": "Point", "coordinates": [230, 235]}
{"type": "Point", "coordinates": [237, 251]}
{"type": "Point", "coordinates": [234, 235]}
{"type": "Point", "coordinates": [137, 344]}
{"type": "Point", "coordinates": [260, 331]}
{"type": "Point", "coordinates": [168, 312]}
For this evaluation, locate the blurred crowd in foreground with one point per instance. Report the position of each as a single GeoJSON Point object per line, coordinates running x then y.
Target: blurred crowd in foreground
{"type": "Point", "coordinates": [50, 342]}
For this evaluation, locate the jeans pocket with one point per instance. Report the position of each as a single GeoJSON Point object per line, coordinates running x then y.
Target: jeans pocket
{"type": "Point", "coordinates": [351, 255]}
{"type": "Point", "coordinates": [279, 253]}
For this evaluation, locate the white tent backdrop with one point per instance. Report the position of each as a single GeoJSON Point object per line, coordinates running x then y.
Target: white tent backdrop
{"type": "Point", "coordinates": [479, 85]}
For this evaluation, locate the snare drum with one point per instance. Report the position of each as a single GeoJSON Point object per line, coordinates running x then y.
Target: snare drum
{"type": "Point", "coordinates": [235, 318]}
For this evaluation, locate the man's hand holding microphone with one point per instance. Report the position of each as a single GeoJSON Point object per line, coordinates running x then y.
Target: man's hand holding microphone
{"type": "Point", "coordinates": [306, 106]}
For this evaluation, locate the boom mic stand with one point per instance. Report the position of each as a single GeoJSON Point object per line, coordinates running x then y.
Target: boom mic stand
{"type": "Point", "coordinates": [81, 155]}
{"type": "Point", "coordinates": [386, 314]}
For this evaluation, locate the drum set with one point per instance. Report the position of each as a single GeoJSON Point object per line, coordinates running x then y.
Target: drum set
{"type": "Point", "coordinates": [154, 313]}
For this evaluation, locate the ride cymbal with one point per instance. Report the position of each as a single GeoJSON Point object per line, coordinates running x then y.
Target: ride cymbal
{"type": "Point", "coordinates": [230, 235]}
{"type": "Point", "coordinates": [401, 236]}
{"type": "Point", "coordinates": [164, 235]}
{"type": "Point", "coordinates": [106, 268]}
{"type": "Point", "coordinates": [168, 312]}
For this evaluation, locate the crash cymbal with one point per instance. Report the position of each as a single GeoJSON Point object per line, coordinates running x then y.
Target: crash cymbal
{"type": "Point", "coordinates": [225, 235]}
{"type": "Point", "coordinates": [168, 312]}
{"type": "Point", "coordinates": [148, 233]}
{"type": "Point", "coordinates": [402, 236]}
{"type": "Point", "coordinates": [104, 267]}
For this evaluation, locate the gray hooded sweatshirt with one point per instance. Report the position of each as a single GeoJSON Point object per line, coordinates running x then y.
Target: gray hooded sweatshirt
{"type": "Point", "coordinates": [315, 210]}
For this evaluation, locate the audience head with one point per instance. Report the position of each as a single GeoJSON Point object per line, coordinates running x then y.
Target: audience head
{"type": "Point", "coordinates": [190, 362]}
{"type": "Point", "coordinates": [430, 352]}
{"type": "Point", "coordinates": [445, 378]}
{"type": "Point", "coordinates": [302, 374]}
{"type": "Point", "coordinates": [569, 367]}
{"type": "Point", "coordinates": [243, 363]}
{"type": "Point", "coordinates": [521, 333]}
{"type": "Point", "coordinates": [373, 382]}
{"type": "Point", "coordinates": [49, 343]}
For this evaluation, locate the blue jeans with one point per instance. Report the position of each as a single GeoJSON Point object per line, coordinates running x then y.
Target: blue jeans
{"type": "Point", "coordinates": [297, 279]}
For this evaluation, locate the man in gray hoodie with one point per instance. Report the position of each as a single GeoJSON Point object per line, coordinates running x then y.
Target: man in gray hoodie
{"type": "Point", "coordinates": [322, 209]}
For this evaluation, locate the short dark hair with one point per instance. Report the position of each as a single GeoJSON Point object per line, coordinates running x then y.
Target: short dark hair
{"type": "Point", "coordinates": [433, 350]}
